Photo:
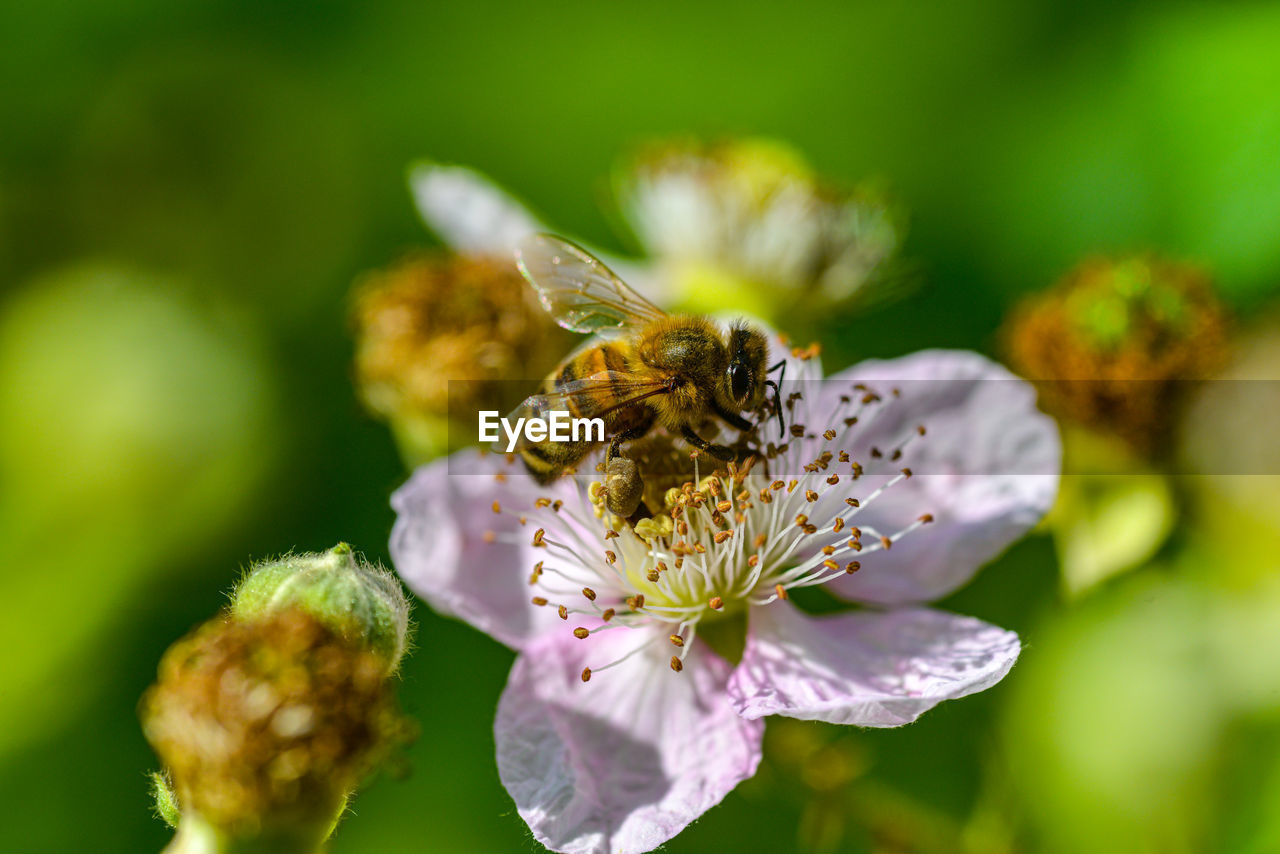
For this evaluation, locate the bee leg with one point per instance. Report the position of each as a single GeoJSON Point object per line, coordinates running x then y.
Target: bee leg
{"type": "Point", "coordinates": [734, 420]}
{"type": "Point", "coordinates": [720, 452]}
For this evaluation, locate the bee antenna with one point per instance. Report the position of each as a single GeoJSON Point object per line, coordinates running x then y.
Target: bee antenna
{"type": "Point", "coordinates": [777, 404]}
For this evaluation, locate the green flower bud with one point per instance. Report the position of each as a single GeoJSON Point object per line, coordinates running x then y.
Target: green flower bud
{"type": "Point", "coordinates": [362, 603]}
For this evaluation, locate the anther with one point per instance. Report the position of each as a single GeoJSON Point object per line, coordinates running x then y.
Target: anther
{"type": "Point", "coordinates": [610, 534]}
{"type": "Point", "coordinates": [886, 542]}
{"type": "Point", "coordinates": [589, 593]}
{"type": "Point", "coordinates": [721, 536]}
{"type": "Point", "coordinates": [781, 591]}
{"type": "Point", "coordinates": [753, 561]}
{"type": "Point", "coordinates": [652, 575]}
{"type": "Point", "coordinates": [830, 564]}
{"type": "Point", "coordinates": [920, 429]}
{"type": "Point", "coordinates": [834, 479]}
{"type": "Point", "coordinates": [724, 506]}
{"type": "Point", "coordinates": [852, 566]}
{"type": "Point", "coordinates": [852, 502]}
{"type": "Point", "coordinates": [876, 453]}
{"type": "Point", "coordinates": [829, 435]}
{"type": "Point", "coordinates": [716, 603]}
{"type": "Point", "coordinates": [610, 557]}
{"type": "Point", "coordinates": [776, 485]}
{"type": "Point", "coordinates": [828, 550]}
{"type": "Point", "coordinates": [759, 540]}
{"type": "Point", "coordinates": [676, 640]}
{"type": "Point", "coordinates": [580, 633]}
{"type": "Point", "coordinates": [676, 664]}
{"type": "Point", "coordinates": [539, 601]}
{"type": "Point", "coordinates": [563, 612]}
{"type": "Point", "coordinates": [906, 472]}
{"type": "Point", "coordinates": [497, 508]}
{"type": "Point", "coordinates": [490, 536]}
{"type": "Point", "coordinates": [926, 518]}
{"type": "Point", "coordinates": [586, 674]}
{"type": "Point", "coordinates": [810, 495]}
{"type": "Point", "coordinates": [607, 615]}
{"type": "Point", "coordinates": [540, 503]}
{"type": "Point", "coordinates": [635, 603]}
{"type": "Point", "coordinates": [838, 525]}
{"type": "Point", "coordinates": [538, 536]}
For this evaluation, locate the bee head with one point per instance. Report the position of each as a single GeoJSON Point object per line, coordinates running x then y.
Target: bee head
{"type": "Point", "coordinates": [742, 385]}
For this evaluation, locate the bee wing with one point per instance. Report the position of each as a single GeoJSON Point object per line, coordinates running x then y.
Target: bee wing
{"type": "Point", "coordinates": [583, 398]}
{"type": "Point", "coordinates": [577, 289]}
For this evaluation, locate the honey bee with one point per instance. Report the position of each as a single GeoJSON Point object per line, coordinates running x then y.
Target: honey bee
{"type": "Point", "coordinates": [645, 368]}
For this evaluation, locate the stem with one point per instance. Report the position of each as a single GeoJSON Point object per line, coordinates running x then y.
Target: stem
{"type": "Point", "coordinates": [197, 836]}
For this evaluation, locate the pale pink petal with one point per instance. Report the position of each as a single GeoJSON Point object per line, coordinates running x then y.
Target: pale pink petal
{"type": "Point", "coordinates": [624, 762]}
{"type": "Point", "coordinates": [457, 554]}
{"type": "Point", "coordinates": [468, 211]}
{"type": "Point", "coordinates": [986, 470]}
{"type": "Point", "coordinates": [867, 668]}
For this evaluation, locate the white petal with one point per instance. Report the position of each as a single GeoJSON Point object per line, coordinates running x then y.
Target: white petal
{"type": "Point", "coordinates": [468, 211]}
{"type": "Point", "coordinates": [624, 762]}
{"type": "Point", "coordinates": [987, 470]}
{"type": "Point", "coordinates": [874, 669]}
{"type": "Point", "coordinates": [441, 547]}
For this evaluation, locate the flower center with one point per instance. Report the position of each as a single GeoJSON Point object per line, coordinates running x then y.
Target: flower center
{"type": "Point", "coordinates": [720, 544]}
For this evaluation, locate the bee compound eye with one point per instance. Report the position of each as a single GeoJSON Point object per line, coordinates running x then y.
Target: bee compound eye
{"type": "Point", "coordinates": [739, 380]}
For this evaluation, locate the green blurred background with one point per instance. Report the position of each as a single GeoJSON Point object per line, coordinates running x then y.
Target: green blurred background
{"type": "Point", "coordinates": [187, 191]}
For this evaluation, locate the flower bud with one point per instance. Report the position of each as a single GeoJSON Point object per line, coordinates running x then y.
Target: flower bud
{"type": "Point", "coordinates": [1109, 344]}
{"type": "Point", "coordinates": [431, 319]}
{"type": "Point", "coordinates": [266, 726]}
{"type": "Point", "coordinates": [364, 604]}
